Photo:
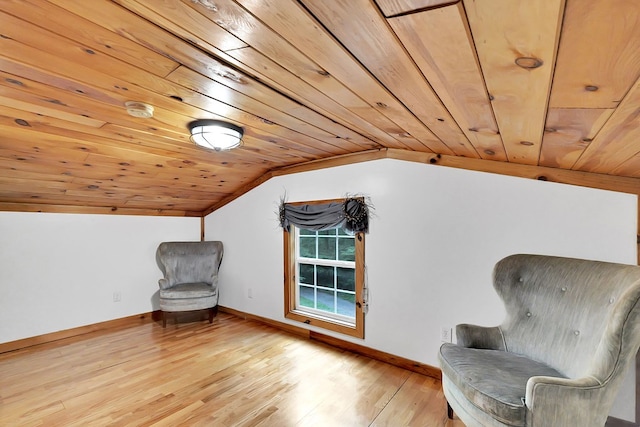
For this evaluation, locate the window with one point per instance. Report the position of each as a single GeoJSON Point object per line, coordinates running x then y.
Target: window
{"type": "Point", "coordinates": [326, 274]}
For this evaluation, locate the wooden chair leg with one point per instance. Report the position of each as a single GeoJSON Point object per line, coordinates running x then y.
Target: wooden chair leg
{"type": "Point", "coordinates": [449, 411]}
{"type": "Point", "coordinates": [213, 311]}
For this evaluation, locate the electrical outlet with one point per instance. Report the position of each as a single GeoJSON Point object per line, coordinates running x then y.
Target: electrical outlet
{"type": "Point", "coordinates": [250, 293]}
{"type": "Point", "coordinates": [445, 334]}
{"type": "Point", "coordinates": [117, 297]}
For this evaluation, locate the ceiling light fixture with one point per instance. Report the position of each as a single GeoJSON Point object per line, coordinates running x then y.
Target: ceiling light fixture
{"type": "Point", "coordinates": [215, 134]}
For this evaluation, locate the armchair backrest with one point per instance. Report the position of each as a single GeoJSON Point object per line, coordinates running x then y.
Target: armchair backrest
{"type": "Point", "coordinates": [581, 317]}
{"type": "Point", "coordinates": [189, 262]}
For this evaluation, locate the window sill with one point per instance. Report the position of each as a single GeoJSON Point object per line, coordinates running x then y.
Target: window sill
{"type": "Point", "coordinates": [327, 323]}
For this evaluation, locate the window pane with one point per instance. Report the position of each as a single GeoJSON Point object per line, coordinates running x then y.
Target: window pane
{"type": "Point", "coordinates": [346, 249]}
{"type": "Point", "coordinates": [325, 300]}
{"type": "Point", "coordinates": [346, 304]}
{"type": "Point", "coordinates": [325, 276]}
{"type": "Point", "coordinates": [327, 247]}
{"type": "Point", "coordinates": [331, 232]}
{"type": "Point", "coordinates": [305, 232]}
{"type": "Point", "coordinates": [346, 279]}
{"type": "Point", "coordinates": [306, 297]}
{"type": "Point", "coordinates": [306, 274]}
{"type": "Point", "coordinates": [308, 247]}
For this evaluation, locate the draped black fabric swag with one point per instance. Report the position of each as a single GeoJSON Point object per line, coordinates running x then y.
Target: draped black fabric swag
{"type": "Point", "coordinates": [352, 214]}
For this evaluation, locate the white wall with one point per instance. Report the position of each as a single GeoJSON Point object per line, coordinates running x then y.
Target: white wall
{"type": "Point", "coordinates": [435, 235]}
{"type": "Point", "coordinates": [59, 271]}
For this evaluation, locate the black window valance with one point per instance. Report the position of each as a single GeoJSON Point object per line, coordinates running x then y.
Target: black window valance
{"type": "Point", "coordinates": [352, 214]}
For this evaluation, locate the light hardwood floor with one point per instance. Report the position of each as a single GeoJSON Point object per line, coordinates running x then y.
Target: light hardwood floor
{"type": "Point", "coordinates": [233, 372]}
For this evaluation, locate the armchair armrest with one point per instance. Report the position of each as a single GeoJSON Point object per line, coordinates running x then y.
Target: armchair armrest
{"type": "Point", "coordinates": [474, 336]}
{"type": "Point", "coordinates": [566, 401]}
{"type": "Point", "coordinates": [164, 283]}
{"type": "Point", "coordinates": [214, 279]}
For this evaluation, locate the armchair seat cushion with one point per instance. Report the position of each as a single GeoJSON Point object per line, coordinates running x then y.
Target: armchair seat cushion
{"type": "Point", "coordinates": [189, 290]}
{"type": "Point", "coordinates": [494, 381]}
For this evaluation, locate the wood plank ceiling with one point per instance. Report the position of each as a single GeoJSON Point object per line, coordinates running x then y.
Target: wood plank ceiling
{"type": "Point", "coordinates": [551, 84]}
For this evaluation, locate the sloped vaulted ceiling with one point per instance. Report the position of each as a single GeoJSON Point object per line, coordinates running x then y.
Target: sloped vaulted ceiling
{"type": "Point", "coordinates": [540, 88]}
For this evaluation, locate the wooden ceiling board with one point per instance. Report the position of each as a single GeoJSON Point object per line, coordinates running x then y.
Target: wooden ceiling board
{"type": "Point", "coordinates": [17, 72]}
{"type": "Point", "coordinates": [62, 141]}
{"type": "Point", "coordinates": [258, 110]}
{"type": "Point", "coordinates": [217, 70]}
{"type": "Point", "coordinates": [53, 70]}
{"type": "Point", "coordinates": [190, 191]}
{"type": "Point", "coordinates": [87, 189]}
{"type": "Point", "coordinates": [210, 108]}
{"type": "Point", "coordinates": [568, 132]}
{"type": "Point", "coordinates": [96, 165]}
{"type": "Point", "coordinates": [251, 97]}
{"type": "Point", "coordinates": [439, 42]}
{"type": "Point", "coordinates": [59, 21]}
{"type": "Point", "coordinates": [314, 85]}
{"type": "Point", "coordinates": [164, 87]}
{"type": "Point", "coordinates": [397, 7]}
{"type": "Point", "coordinates": [26, 39]}
{"type": "Point", "coordinates": [20, 101]}
{"type": "Point", "coordinates": [47, 101]}
{"type": "Point", "coordinates": [503, 31]}
{"type": "Point", "coordinates": [347, 108]}
{"type": "Point", "coordinates": [78, 207]}
{"type": "Point", "coordinates": [31, 168]}
{"type": "Point", "coordinates": [155, 153]}
{"type": "Point", "coordinates": [31, 194]}
{"type": "Point", "coordinates": [618, 140]}
{"type": "Point", "coordinates": [169, 14]}
{"type": "Point", "coordinates": [286, 17]}
{"type": "Point", "coordinates": [44, 154]}
{"type": "Point", "coordinates": [273, 44]}
{"type": "Point", "coordinates": [9, 164]}
{"type": "Point", "coordinates": [136, 28]}
{"type": "Point", "coordinates": [630, 167]}
{"type": "Point", "coordinates": [598, 59]}
{"type": "Point", "coordinates": [15, 117]}
{"type": "Point", "coordinates": [52, 103]}
{"type": "Point", "coordinates": [29, 163]}
{"type": "Point", "coordinates": [311, 151]}
{"type": "Point", "coordinates": [366, 34]}
{"type": "Point", "coordinates": [324, 83]}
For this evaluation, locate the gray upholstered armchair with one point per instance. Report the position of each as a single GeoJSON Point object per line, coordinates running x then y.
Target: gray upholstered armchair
{"type": "Point", "coordinates": [571, 331]}
{"type": "Point", "coordinates": [190, 280]}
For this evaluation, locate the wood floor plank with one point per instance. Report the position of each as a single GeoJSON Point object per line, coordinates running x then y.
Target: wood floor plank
{"type": "Point", "coordinates": [233, 372]}
{"type": "Point", "coordinates": [413, 406]}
